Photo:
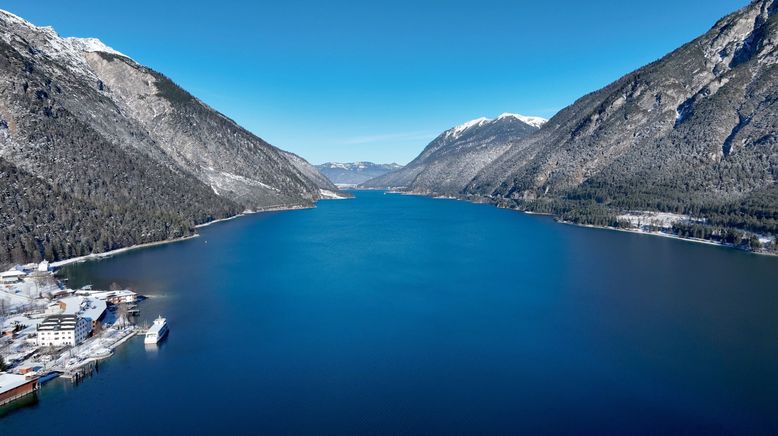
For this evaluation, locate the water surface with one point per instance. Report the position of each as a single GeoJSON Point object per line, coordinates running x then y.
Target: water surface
{"type": "Point", "coordinates": [390, 313]}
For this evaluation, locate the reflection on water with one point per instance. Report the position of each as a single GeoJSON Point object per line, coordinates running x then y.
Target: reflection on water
{"type": "Point", "coordinates": [24, 402]}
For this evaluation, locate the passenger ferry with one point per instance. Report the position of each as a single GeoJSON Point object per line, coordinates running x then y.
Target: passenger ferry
{"type": "Point", "coordinates": [157, 331]}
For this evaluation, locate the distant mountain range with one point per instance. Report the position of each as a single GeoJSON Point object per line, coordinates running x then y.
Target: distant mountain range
{"type": "Point", "coordinates": [98, 152]}
{"type": "Point", "coordinates": [694, 133]}
{"type": "Point", "coordinates": [354, 173]}
{"type": "Point", "coordinates": [452, 159]}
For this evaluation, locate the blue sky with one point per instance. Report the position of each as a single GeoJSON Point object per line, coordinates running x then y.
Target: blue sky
{"type": "Point", "coordinates": [344, 80]}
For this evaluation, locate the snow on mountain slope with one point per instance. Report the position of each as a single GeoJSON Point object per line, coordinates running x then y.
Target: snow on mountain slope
{"type": "Point", "coordinates": [145, 159]}
{"type": "Point", "coordinates": [532, 121]}
{"type": "Point", "coordinates": [452, 159]}
{"type": "Point", "coordinates": [91, 45]}
{"type": "Point", "coordinates": [354, 173]}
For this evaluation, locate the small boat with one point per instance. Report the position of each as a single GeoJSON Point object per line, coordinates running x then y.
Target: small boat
{"type": "Point", "coordinates": [157, 331]}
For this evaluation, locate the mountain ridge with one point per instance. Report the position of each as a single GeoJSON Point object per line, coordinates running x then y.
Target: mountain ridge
{"type": "Point", "coordinates": [146, 158]}
{"type": "Point", "coordinates": [354, 173]}
{"type": "Point", "coordinates": [449, 161]}
{"type": "Point", "coordinates": [694, 133]}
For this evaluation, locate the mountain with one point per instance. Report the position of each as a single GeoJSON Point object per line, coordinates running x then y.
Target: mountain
{"type": "Point", "coordinates": [98, 152]}
{"type": "Point", "coordinates": [695, 132]}
{"type": "Point", "coordinates": [452, 159]}
{"type": "Point", "coordinates": [354, 173]}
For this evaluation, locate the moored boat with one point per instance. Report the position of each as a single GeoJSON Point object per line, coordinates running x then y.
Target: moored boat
{"type": "Point", "coordinates": [157, 331]}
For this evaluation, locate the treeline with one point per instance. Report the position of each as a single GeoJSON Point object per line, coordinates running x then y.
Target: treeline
{"type": "Point", "coordinates": [722, 235]}
{"type": "Point", "coordinates": [578, 212]}
{"type": "Point", "coordinates": [88, 194]}
{"type": "Point", "coordinates": [39, 221]}
{"type": "Point", "coordinates": [757, 213]}
{"type": "Point", "coordinates": [733, 224]}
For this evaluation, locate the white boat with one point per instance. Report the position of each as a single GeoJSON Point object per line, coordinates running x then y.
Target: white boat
{"type": "Point", "coordinates": [157, 331]}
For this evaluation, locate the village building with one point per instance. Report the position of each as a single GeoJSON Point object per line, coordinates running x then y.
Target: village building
{"type": "Point", "coordinates": [12, 276]}
{"type": "Point", "coordinates": [13, 386]}
{"type": "Point", "coordinates": [62, 330]}
{"type": "Point", "coordinates": [84, 307]}
{"type": "Point", "coordinates": [113, 297]}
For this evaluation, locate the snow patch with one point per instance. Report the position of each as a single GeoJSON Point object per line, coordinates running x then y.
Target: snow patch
{"type": "Point", "coordinates": [67, 51]}
{"type": "Point", "coordinates": [91, 45]}
{"type": "Point", "coordinates": [663, 220]}
{"type": "Point", "coordinates": [532, 121]}
{"type": "Point", "coordinates": [458, 130]}
{"type": "Point", "coordinates": [225, 181]}
{"type": "Point", "coordinates": [329, 195]}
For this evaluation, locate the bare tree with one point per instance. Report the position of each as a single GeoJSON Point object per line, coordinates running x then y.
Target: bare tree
{"type": "Point", "coordinates": [41, 281]}
{"type": "Point", "coordinates": [122, 315]}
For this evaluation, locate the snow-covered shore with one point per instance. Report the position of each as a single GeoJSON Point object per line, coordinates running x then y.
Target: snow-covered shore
{"type": "Point", "coordinates": [251, 212]}
{"type": "Point", "coordinates": [98, 256]}
{"type": "Point", "coordinates": [653, 233]}
{"type": "Point", "coordinates": [645, 216]}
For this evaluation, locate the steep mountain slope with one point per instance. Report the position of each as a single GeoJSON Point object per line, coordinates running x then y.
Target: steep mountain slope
{"type": "Point", "coordinates": [354, 173]}
{"type": "Point", "coordinates": [326, 187]}
{"type": "Point", "coordinates": [210, 146]}
{"type": "Point", "coordinates": [76, 134]}
{"type": "Point", "coordinates": [452, 159]}
{"type": "Point", "coordinates": [694, 132]}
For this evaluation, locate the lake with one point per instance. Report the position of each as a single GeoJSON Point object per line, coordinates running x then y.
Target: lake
{"type": "Point", "coordinates": [401, 314]}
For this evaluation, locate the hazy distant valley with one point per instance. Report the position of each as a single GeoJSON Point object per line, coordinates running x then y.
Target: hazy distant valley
{"type": "Point", "coordinates": [351, 174]}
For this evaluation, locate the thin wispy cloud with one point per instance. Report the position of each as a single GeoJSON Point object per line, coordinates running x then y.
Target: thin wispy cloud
{"type": "Point", "coordinates": [405, 136]}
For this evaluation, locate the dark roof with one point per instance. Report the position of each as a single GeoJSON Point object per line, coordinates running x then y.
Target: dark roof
{"type": "Point", "coordinates": [59, 323]}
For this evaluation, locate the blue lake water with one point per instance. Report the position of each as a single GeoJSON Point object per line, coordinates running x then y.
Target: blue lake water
{"type": "Point", "coordinates": [398, 314]}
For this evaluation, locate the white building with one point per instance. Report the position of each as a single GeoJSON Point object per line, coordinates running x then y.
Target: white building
{"type": "Point", "coordinates": [113, 297]}
{"type": "Point", "coordinates": [12, 276]}
{"type": "Point", "coordinates": [85, 307]}
{"type": "Point", "coordinates": [59, 330]}
{"type": "Point", "coordinates": [43, 266]}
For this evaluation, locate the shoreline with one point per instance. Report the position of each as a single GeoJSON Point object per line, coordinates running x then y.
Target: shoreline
{"type": "Point", "coordinates": [106, 254]}
{"type": "Point", "coordinates": [669, 236]}
{"type": "Point", "coordinates": [253, 212]}
{"type": "Point", "coordinates": [98, 256]}
{"type": "Point", "coordinates": [591, 226]}
{"type": "Point", "coordinates": [102, 357]}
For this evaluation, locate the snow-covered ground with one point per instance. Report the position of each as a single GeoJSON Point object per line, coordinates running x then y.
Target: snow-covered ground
{"type": "Point", "coordinates": [26, 294]}
{"type": "Point", "coordinates": [329, 195]}
{"type": "Point", "coordinates": [21, 351]}
{"type": "Point", "coordinates": [97, 256]}
{"type": "Point", "coordinates": [664, 220]}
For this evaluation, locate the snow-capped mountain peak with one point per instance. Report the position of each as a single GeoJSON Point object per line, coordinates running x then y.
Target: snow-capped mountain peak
{"type": "Point", "coordinates": [67, 51]}
{"type": "Point", "coordinates": [458, 130]}
{"type": "Point", "coordinates": [15, 19]}
{"type": "Point", "coordinates": [354, 173]}
{"type": "Point", "coordinates": [532, 121]}
{"type": "Point", "coordinates": [91, 45]}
